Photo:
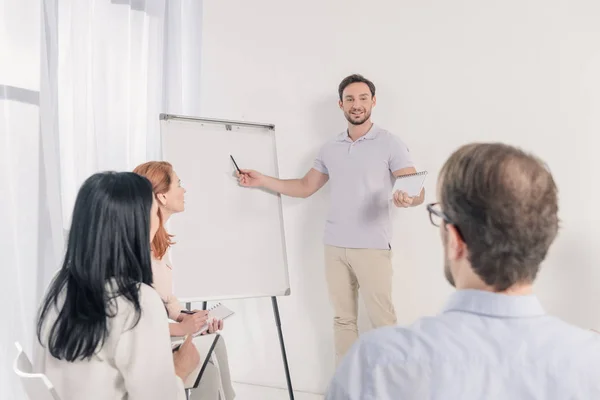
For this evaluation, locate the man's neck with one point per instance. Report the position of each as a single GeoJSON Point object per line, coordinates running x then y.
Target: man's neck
{"type": "Point", "coordinates": [357, 131]}
{"type": "Point", "coordinates": [519, 289]}
{"type": "Point", "coordinates": [466, 278]}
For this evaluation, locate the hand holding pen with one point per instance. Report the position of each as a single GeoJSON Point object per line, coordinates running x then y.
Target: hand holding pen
{"type": "Point", "coordinates": [248, 177]}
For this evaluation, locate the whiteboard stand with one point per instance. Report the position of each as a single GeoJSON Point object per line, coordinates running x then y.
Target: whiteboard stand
{"type": "Point", "coordinates": [282, 345]}
{"type": "Point", "coordinates": [192, 144]}
{"type": "Point", "coordinates": [188, 392]}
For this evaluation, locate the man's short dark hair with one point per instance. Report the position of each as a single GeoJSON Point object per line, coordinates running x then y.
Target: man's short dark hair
{"type": "Point", "coordinates": [505, 204]}
{"type": "Point", "coordinates": [355, 78]}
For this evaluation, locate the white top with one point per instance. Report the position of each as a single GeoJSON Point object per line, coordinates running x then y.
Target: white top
{"type": "Point", "coordinates": [133, 364]}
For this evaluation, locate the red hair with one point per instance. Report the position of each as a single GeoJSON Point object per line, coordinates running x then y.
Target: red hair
{"type": "Point", "coordinates": [159, 173]}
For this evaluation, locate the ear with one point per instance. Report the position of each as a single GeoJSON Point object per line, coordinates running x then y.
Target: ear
{"type": "Point", "coordinates": [341, 104]}
{"type": "Point", "coordinates": [162, 199]}
{"type": "Point", "coordinates": [374, 100]}
{"type": "Point", "coordinates": [457, 249]}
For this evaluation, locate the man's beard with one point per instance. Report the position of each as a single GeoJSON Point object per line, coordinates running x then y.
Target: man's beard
{"type": "Point", "coordinates": [366, 116]}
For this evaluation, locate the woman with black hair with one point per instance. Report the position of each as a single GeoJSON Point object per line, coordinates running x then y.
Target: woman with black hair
{"type": "Point", "coordinates": [103, 329]}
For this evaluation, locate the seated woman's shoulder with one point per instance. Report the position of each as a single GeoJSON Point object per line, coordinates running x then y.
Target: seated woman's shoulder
{"type": "Point", "coordinates": [149, 295]}
{"type": "Point", "coordinates": [150, 304]}
{"type": "Point", "coordinates": [146, 294]}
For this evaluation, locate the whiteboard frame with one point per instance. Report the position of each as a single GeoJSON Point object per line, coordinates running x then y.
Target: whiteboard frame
{"type": "Point", "coordinates": [165, 117]}
{"type": "Point", "coordinates": [228, 124]}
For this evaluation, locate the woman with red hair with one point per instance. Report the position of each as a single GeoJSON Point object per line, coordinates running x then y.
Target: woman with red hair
{"type": "Point", "coordinates": [170, 197]}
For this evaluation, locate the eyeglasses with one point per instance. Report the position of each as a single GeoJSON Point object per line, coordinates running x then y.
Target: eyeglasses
{"type": "Point", "coordinates": [439, 218]}
{"type": "Point", "coordinates": [436, 215]}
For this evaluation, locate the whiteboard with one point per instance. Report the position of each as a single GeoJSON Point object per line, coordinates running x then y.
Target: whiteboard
{"type": "Point", "coordinates": [230, 240]}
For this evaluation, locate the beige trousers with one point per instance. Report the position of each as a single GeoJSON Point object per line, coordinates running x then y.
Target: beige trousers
{"type": "Point", "coordinates": [347, 271]}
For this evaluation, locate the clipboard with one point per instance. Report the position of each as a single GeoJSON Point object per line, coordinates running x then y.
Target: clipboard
{"type": "Point", "coordinates": [206, 360]}
{"type": "Point", "coordinates": [204, 363]}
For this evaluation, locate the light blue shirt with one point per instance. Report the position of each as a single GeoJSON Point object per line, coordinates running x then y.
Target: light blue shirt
{"type": "Point", "coordinates": [484, 346]}
{"type": "Point", "coordinates": [360, 181]}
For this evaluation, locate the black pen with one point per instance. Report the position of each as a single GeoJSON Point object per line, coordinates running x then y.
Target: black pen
{"type": "Point", "coordinates": [187, 312]}
{"type": "Point", "coordinates": [236, 166]}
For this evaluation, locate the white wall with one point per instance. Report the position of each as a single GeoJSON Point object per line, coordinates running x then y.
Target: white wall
{"type": "Point", "coordinates": [447, 73]}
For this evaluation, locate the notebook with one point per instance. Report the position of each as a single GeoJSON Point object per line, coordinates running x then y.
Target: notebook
{"type": "Point", "coordinates": [411, 184]}
{"type": "Point", "coordinates": [218, 311]}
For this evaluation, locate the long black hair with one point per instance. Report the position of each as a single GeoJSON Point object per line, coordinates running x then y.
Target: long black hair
{"type": "Point", "coordinates": [108, 255]}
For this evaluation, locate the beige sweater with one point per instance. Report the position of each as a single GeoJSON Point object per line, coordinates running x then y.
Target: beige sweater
{"type": "Point", "coordinates": [133, 364]}
{"type": "Point", "coordinates": [162, 276]}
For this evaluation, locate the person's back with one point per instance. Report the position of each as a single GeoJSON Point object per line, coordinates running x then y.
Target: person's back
{"type": "Point", "coordinates": [102, 329]}
{"type": "Point", "coordinates": [498, 216]}
{"type": "Point", "coordinates": [483, 346]}
{"type": "Point", "coordinates": [112, 366]}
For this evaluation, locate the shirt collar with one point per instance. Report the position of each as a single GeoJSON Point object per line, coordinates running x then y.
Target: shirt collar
{"type": "Point", "coordinates": [371, 134]}
{"type": "Point", "coordinates": [494, 304]}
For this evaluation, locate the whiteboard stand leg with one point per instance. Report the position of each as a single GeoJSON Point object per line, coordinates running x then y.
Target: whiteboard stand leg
{"type": "Point", "coordinates": [283, 353]}
{"type": "Point", "coordinates": [204, 305]}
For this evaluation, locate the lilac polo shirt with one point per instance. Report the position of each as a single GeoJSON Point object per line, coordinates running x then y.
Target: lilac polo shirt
{"type": "Point", "coordinates": [360, 177]}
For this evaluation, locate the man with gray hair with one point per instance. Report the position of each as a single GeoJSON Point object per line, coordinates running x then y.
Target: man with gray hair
{"type": "Point", "coordinates": [497, 212]}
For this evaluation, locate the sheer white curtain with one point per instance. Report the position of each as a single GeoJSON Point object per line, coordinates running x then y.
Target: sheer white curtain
{"type": "Point", "coordinates": [21, 193]}
{"type": "Point", "coordinates": [81, 93]}
{"type": "Point", "coordinates": [110, 67]}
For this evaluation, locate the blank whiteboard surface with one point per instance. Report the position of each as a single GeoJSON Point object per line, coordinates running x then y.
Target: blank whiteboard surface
{"type": "Point", "coordinates": [230, 239]}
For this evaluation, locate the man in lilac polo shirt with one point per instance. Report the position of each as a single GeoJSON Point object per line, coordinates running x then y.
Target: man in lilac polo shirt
{"type": "Point", "coordinates": [360, 163]}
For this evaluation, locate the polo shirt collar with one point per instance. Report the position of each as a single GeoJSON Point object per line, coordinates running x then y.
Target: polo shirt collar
{"type": "Point", "coordinates": [371, 134]}
{"type": "Point", "coordinates": [494, 304]}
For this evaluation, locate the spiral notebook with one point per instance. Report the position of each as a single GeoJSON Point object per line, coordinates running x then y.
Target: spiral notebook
{"type": "Point", "coordinates": [218, 311]}
{"type": "Point", "coordinates": [411, 184]}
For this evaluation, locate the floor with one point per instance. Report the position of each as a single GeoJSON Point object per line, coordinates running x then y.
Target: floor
{"type": "Point", "coordinates": [251, 392]}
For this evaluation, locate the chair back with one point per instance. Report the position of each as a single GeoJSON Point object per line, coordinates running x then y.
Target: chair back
{"type": "Point", "coordinates": [36, 386]}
